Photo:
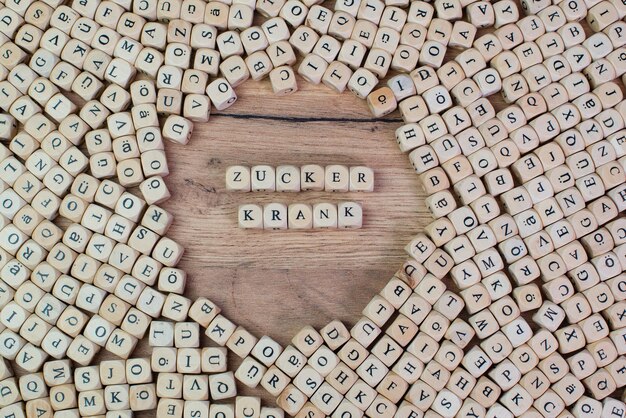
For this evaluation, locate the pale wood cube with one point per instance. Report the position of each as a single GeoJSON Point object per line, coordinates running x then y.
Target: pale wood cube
{"type": "Point", "coordinates": [300, 216]}
{"type": "Point", "coordinates": [361, 179]}
{"type": "Point", "coordinates": [350, 215]}
{"type": "Point", "coordinates": [235, 70]}
{"type": "Point", "coordinates": [602, 15]}
{"type": "Point", "coordinates": [274, 381]}
{"type": "Point", "coordinates": [142, 397]}
{"type": "Point", "coordinates": [337, 76]}
{"type": "Point", "coordinates": [281, 53]}
{"type": "Point", "coordinates": [294, 12]}
{"type": "Point", "coordinates": [63, 397]}
{"type": "Point", "coordinates": [238, 178]}
{"type": "Point", "coordinates": [381, 102]}
{"type": "Point", "coordinates": [266, 350]}
{"type": "Point", "coordinates": [291, 400]}
{"type": "Point", "coordinates": [362, 83]}
{"type": "Point", "coordinates": [247, 406]}
{"type": "Point", "coordinates": [378, 62]}
{"type": "Point", "coordinates": [303, 40]}
{"type": "Point", "coordinates": [275, 30]}
{"type": "Point", "coordinates": [213, 359]}
{"type": "Point", "coordinates": [275, 216]}
{"type": "Point", "coordinates": [221, 94]}
{"type": "Point", "coordinates": [197, 107]}
{"type": "Point", "coordinates": [263, 178]}
{"type": "Point", "coordinates": [312, 68]}
{"type": "Point", "coordinates": [241, 342]}
{"type": "Point", "coordinates": [177, 129]}
{"type": "Point", "coordinates": [283, 80]}
{"type": "Point", "coordinates": [250, 372]}
{"type": "Point", "coordinates": [251, 216]}
{"type": "Point", "coordinates": [312, 177]}
{"type": "Point", "coordinates": [267, 412]}
{"type": "Point", "coordinates": [220, 329]}
{"type": "Point", "coordinates": [287, 178]}
{"type": "Point", "coordinates": [325, 215]}
{"type": "Point", "coordinates": [222, 386]}
{"type": "Point", "coordinates": [337, 178]}
{"type": "Point", "coordinates": [259, 65]}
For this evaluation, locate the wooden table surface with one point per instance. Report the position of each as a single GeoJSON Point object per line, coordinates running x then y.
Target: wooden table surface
{"type": "Point", "coordinates": [275, 282]}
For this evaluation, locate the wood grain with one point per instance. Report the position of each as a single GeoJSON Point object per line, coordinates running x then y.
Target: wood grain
{"type": "Point", "coordinates": [315, 276]}
{"type": "Point", "coordinates": [274, 283]}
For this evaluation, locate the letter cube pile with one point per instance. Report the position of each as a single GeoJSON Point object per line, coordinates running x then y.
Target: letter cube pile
{"type": "Point", "coordinates": [512, 302]}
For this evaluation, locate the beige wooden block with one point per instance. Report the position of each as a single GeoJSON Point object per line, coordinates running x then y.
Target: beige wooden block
{"type": "Point", "coordinates": [241, 342]}
{"type": "Point", "coordinates": [362, 83]}
{"type": "Point", "coordinates": [222, 386]}
{"type": "Point", "coordinates": [300, 216]}
{"type": "Point", "coordinates": [402, 86]}
{"type": "Point", "coordinates": [432, 54]}
{"type": "Point", "coordinates": [291, 400]}
{"type": "Point", "coordinates": [275, 30]}
{"type": "Point", "coordinates": [287, 178]}
{"type": "Point", "coordinates": [63, 397]}
{"type": "Point", "coordinates": [250, 372]}
{"type": "Point", "coordinates": [381, 102]}
{"type": "Point", "coordinates": [307, 340]}
{"type": "Point", "coordinates": [323, 361]}
{"type": "Point", "coordinates": [342, 25]}
{"type": "Point", "coordinates": [186, 334]}
{"type": "Point", "coordinates": [203, 311]}
{"type": "Point", "coordinates": [235, 70]}
{"type": "Point", "coordinates": [238, 178]}
{"type": "Point", "coordinates": [328, 48]}
{"type": "Point", "coordinates": [325, 400]}
{"type": "Point", "coordinates": [214, 359]}
{"type": "Point", "coordinates": [247, 406]}
{"type": "Point", "coordinates": [220, 329]}
{"type": "Point", "coordinates": [291, 361]}
{"type": "Point", "coordinates": [312, 68]}
{"type": "Point", "coordinates": [283, 80]}
{"type": "Point", "coordinates": [337, 178]}
{"type": "Point", "coordinates": [266, 350]}
{"type": "Point", "coordinates": [275, 216]}
{"type": "Point", "coordinates": [41, 406]}
{"type": "Point", "coordinates": [387, 350]}
{"type": "Point", "coordinates": [337, 76]}
{"type": "Point", "coordinates": [221, 93]}
{"type": "Point", "coordinates": [350, 215]}
{"type": "Point", "coordinates": [263, 178]}
{"type": "Point", "coordinates": [602, 15]}
{"type": "Point", "coordinates": [402, 329]}
{"type": "Point", "coordinates": [325, 215]}
{"type": "Point", "coordinates": [308, 380]}
{"type": "Point", "coordinates": [463, 34]}
{"type": "Point", "coordinates": [219, 410]}
{"type": "Point", "coordinates": [303, 40]}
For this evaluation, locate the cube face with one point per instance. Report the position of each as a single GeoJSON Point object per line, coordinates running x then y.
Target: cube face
{"type": "Point", "coordinates": [350, 215]}
{"type": "Point", "coordinates": [312, 177]}
{"type": "Point", "coordinates": [238, 178]}
{"type": "Point", "coordinates": [324, 215]}
{"type": "Point", "coordinates": [275, 216]}
{"type": "Point", "coordinates": [361, 179]}
{"type": "Point", "coordinates": [337, 178]}
{"type": "Point", "coordinates": [263, 178]}
{"type": "Point", "coordinates": [251, 216]}
{"type": "Point", "coordinates": [300, 216]}
{"type": "Point", "coordinates": [283, 80]}
{"type": "Point", "coordinates": [287, 178]}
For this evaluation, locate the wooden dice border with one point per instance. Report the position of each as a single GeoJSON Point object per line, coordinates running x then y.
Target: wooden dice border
{"type": "Point", "coordinates": [552, 161]}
